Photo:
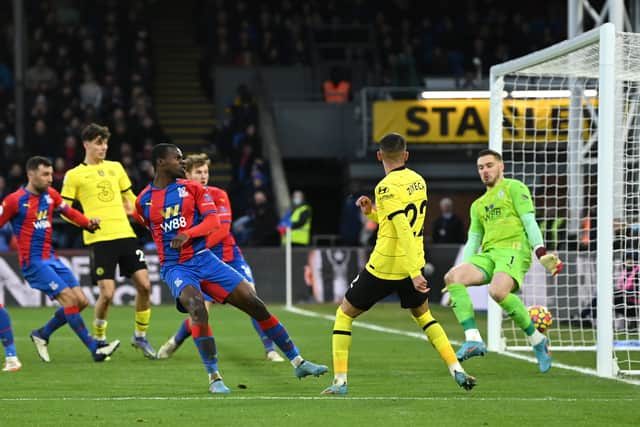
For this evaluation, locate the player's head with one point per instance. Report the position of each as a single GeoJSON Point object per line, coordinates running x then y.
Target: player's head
{"type": "Point", "coordinates": [393, 148]}
{"type": "Point", "coordinates": [490, 167]}
{"type": "Point", "coordinates": [167, 159]}
{"type": "Point", "coordinates": [95, 139]}
{"type": "Point", "coordinates": [39, 173]}
{"type": "Point", "coordinates": [197, 167]}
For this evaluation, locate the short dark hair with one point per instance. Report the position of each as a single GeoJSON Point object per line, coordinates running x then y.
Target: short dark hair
{"type": "Point", "coordinates": [34, 162]}
{"type": "Point", "coordinates": [489, 152]}
{"type": "Point", "coordinates": [160, 152]}
{"type": "Point", "coordinates": [393, 143]}
{"type": "Point", "coordinates": [93, 131]}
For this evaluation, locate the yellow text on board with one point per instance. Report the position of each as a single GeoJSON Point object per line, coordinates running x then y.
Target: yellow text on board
{"type": "Point", "coordinates": [467, 120]}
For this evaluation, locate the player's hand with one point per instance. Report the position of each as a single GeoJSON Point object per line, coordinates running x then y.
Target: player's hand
{"type": "Point", "coordinates": [549, 261]}
{"type": "Point", "coordinates": [178, 241]}
{"type": "Point", "coordinates": [420, 283]}
{"type": "Point", "coordinates": [94, 224]}
{"type": "Point", "coordinates": [364, 203]}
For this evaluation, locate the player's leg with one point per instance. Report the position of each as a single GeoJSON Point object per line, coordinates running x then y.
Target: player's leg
{"type": "Point", "coordinates": [501, 291]}
{"type": "Point", "coordinates": [167, 349]}
{"type": "Point", "coordinates": [103, 265]}
{"type": "Point", "coordinates": [437, 337]}
{"type": "Point", "coordinates": [243, 296]}
{"type": "Point", "coordinates": [11, 362]}
{"type": "Point", "coordinates": [241, 266]}
{"type": "Point", "coordinates": [364, 291]}
{"type": "Point", "coordinates": [133, 265]}
{"type": "Point", "coordinates": [457, 280]}
{"type": "Point", "coordinates": [191, 300]}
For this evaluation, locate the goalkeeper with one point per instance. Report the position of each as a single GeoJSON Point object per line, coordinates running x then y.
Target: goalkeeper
{"type": "Point", "coordinates": [503, 224]}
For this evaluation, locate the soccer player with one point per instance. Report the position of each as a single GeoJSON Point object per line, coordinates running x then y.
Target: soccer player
{"type": "Point", "coordinates": [180, 214]}
{"type": "Point", "coordinates": [223, 245]}
{"type": "Point", "coordinates": [30, 210]}
{"type": "Point", "coordinates": [503, 224]}
{"type": "Point", "coordinates": [103, 189]}
{"type": "Point", "coordinates": [395, 265]}
{"type": "Point", "coordinates": [11, 361]}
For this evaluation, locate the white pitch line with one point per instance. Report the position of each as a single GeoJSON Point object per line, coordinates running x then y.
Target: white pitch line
{"type": "Point", "coordinates": [584, 371]}
{"type": "Point", "coordinates": [325, 398]}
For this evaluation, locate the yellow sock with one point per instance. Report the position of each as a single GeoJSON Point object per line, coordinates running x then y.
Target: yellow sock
{"type": "Point", "coordinates": [142, 322]}
{"type": "Point", "coordinates": [100, 329]}
{"type": "Point", "coordinates": [437, 337]}
{"type": "Point", "coordinates": [341, 343]}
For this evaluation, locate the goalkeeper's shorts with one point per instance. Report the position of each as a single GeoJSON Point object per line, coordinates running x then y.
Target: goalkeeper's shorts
{"type": "Point", "coordinates": [515, 263]}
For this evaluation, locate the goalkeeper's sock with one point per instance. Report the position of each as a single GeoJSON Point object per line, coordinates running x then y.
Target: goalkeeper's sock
{"type": "Point", "coordinates": [536, 337]}
{"type": "Point", "coordinates": [6, 333]}
{"type": "Point", "coordinates": [142, 322]}
{"type": "Point", "coordinates": [340, 344]}
{"type": "Point", "coordinates": [72, 314]}
{"type": "Point", "coordinates": [184, 331]}
{"type": "Point", "coordinates": [438, 338]}
{"type": "Point", "coordinates": [463, 310]}
{"type": "Point", "coordinates": [514, 307]}
{"type": "Point", "coordinates": [100, 329]}
{"type": "Point", "coordinates": [58, 320]}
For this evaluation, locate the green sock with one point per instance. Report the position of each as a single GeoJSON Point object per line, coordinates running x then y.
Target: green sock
{"type": "Point", "coordinates": [462, 306]}
{"type": "Point", "coordinates": [514, 307]}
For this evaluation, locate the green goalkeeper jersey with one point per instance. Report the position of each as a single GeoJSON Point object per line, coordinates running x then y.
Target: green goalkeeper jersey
{"type": "Point", "coordinates": [496, 216]}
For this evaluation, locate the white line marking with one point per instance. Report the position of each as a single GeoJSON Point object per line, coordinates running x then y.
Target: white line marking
{"type": "Point", "coordinates": [325, 398]}
{"type": "Point", "coordinates": [585, 371]}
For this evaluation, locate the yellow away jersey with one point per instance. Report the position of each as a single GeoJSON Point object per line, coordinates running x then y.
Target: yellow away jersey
{"type": "Point", "coordinates": [99, 190]}
{"type": "Point", "coordinates": [402, 191]}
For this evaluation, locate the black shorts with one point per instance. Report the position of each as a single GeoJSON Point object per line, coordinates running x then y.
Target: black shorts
{"type": "Point", "coordinates": [123, 252]}
{"type": "Point", "coordinates": [367, 289]}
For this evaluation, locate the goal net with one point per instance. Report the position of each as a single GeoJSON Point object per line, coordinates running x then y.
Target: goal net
{"type": "Point", "coordinates": [567, 121]}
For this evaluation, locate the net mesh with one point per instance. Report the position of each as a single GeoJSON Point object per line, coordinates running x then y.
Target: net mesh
{"type": "Point", "coordinates": [550, 143]}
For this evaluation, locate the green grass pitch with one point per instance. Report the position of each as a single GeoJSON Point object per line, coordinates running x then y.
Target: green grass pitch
{"type": "Point", "coordinates": [394, 380]}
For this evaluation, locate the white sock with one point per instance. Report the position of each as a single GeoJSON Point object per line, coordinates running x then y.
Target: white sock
{"type": "Point", "coordinates": [455, 367]}
{"type": "Point", "coordinates": [297, 361]}
{"type": "Point", "coordinates": [472, 335]}
{"type": "Point", "coordinates": [340, 379]}
{"type": "Point", "coordinates": [140, 334]}
{"type": "Point", "coordinates": [536, 338]}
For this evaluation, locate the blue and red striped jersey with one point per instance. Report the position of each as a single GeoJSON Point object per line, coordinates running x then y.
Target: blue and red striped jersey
{"type": "Point", "coordinates": [172, 210]}
{"type": "Point", "coordinates": [222, 243]}
{"type": "Point", "coordinates": [31, 216]}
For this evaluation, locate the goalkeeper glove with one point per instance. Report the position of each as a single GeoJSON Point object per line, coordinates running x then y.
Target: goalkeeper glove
{"type": "Point", "coordinates": [549, 261]}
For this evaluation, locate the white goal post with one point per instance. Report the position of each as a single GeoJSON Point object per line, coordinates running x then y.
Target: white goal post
{"type": "Point", "coordinates": [567, 121]}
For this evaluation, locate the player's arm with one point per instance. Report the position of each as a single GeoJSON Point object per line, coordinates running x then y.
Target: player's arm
{"type": "Point", "coordinates": [138, 213]}
{"type": "Point", "coordinates": [8, 209]}
{"type": "Point", "coordinates": [68, 194]}
{"type": "Point", "coordinates": [209, 224]}
{"type": "Point", "coordinates": [225, 216]}
{"type": "Point", "coordinates": [72, 215]}
{"type": "Point", "coordinates": [367, 208]}
{"type": "Point", "coordinates": [474, 235]}
{"type": "Point", "coordinates": [126, 191]}
{"type": "Point", "coordinates": [523, 205]}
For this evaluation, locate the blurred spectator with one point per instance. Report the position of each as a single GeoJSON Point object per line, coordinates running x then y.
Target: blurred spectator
{"type": "Point", "coordinates": [15, 177]}
{"type": "Point", "coordinates": [351, 220]}
{"type": "Point", "coordinates": [448, 228]}
{"type": "Point", "coordinates": [336, 89]}
{"type": "Point", "coordinates": [298, 219]}
{"type": "Point", "coordinates": [263, 222]}
{"type": "Point", "coordinates": [90, 92]}
{"type": "Point", "coordinates": [41, 75]}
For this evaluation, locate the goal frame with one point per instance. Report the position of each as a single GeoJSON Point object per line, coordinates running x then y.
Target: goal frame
{"type": "Point", "coordinates": [606, 36]}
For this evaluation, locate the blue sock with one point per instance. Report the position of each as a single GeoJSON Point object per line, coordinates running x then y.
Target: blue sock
{"type": "Point", "coordinates": [266, 341]}
{"type": "Point", "coordinates": [274, 330]}
{"type": "Point", "coordinates": [6, 333]}
{"type": "Point", "coordinates": [58, 320]}
{"type": "Point", "coordinates": [206, 347]}
{"type": "Point", "coordinates": [72, 314]}
{"type": "Point", "coordinates": [184, 331]}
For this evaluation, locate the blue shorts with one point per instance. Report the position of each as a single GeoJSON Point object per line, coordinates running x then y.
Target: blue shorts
{"type": "Point", "coordinates": [50, 276]}
{"type": "Point", "coordinates": [239, 265]}
{"type": "Point", "coordinates": [206, 273]}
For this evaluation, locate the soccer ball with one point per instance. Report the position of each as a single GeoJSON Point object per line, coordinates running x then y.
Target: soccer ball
{"type": "Point", "coordinates": [541, 317]}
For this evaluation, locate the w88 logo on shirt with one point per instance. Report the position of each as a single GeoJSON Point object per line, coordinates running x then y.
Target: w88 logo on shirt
{"type": "Point", "coordinates": [173, 224]}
